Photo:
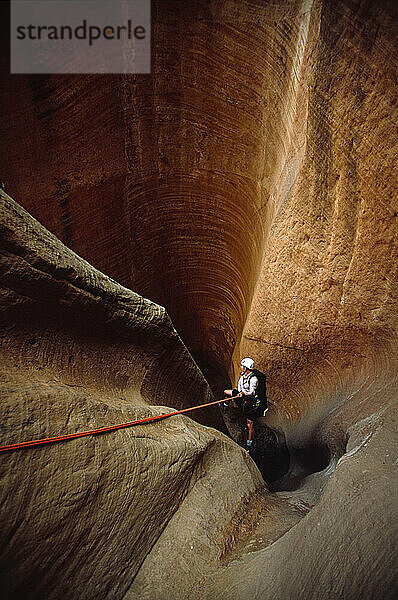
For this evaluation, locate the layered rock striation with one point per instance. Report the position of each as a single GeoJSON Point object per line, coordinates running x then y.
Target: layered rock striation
{"type": "Point", "coordinates": [79, 352]}
{"type": "Point", "coordinates": [324, 312]}
{"type": "Point", "coordinates": [171, 189]}
{"type": "Point", "coordinates": [248, 185]}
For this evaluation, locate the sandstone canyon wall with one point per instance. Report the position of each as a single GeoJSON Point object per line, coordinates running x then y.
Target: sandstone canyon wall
{"type": "Point", "coordinates": [248, 185]}
{"type": "Point", "coordinates": [79, 351]}
{"type": "Point", "coordinates": [164, 181]}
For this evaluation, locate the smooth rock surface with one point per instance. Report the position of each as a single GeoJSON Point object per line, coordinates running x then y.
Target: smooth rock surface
{"type": "Point", "coordinates": [248, 185]}
{"type": "Point", "coordinates": [79, 352]}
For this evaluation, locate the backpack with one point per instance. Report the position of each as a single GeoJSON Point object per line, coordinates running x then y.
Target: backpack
{"type": "Point", "coordinates": [261, 389]}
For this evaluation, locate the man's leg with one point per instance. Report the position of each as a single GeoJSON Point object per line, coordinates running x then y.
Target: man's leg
{"type": "Point", "coordinates": [250, 428]}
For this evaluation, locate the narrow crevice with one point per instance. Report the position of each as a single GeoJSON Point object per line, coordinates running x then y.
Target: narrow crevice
{"type": "Point", "coordinates": [283, 467]}
{"type": "Point", "coordinates": [270, 453]}
{"type": "Point", "coordinates": [303, 461]}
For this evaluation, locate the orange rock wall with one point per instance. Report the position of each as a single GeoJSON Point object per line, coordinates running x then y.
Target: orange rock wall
{"type": "Point", "coordinates": [165, 182]}
{"type": "Point", "coordinates": [324, 316]}
{"type": "Point", "coordinates": [247, 185]}
{"type": "Point", "coordinates": [247, 182]}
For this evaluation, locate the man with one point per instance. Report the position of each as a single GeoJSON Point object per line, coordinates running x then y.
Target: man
{"type": "Point", "coordinates": [247, 392]}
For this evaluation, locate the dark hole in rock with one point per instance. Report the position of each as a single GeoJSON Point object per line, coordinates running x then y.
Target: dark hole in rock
{"type": "Point", "coordinates": [270, 453]}
{"type": "Point", "coordinates": [303, 462]}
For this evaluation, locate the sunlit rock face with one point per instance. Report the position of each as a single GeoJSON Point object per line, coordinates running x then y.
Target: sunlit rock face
{"type": "Point", "coordinates": [323, 320]}
{"type": "Point", "coordinates": [248, 186]}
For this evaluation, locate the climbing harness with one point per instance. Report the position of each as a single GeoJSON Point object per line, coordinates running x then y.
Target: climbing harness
{"type": "Point", "coordinates": [70, 436]}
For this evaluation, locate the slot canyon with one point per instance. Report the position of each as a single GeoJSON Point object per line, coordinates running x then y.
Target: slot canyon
{"type": "Point", "coordinates": [239, 200]}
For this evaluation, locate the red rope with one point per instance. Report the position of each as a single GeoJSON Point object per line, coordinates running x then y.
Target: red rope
{"type": "Point", "coordinates": [70, 436]}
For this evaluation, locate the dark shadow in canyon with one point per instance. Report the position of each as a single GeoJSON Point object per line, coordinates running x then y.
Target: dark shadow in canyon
{"type": "Point", "coordinates": [283, 468]}
{"type": "Point", "coordinates": [303, 462]}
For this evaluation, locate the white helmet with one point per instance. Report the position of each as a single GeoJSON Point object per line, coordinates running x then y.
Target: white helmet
{"type": "Point", "coordinates": [248, 363]}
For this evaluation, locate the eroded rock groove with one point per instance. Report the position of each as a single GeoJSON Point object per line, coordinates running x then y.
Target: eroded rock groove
{"type": "Point", "coordinates": [240, 200]}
